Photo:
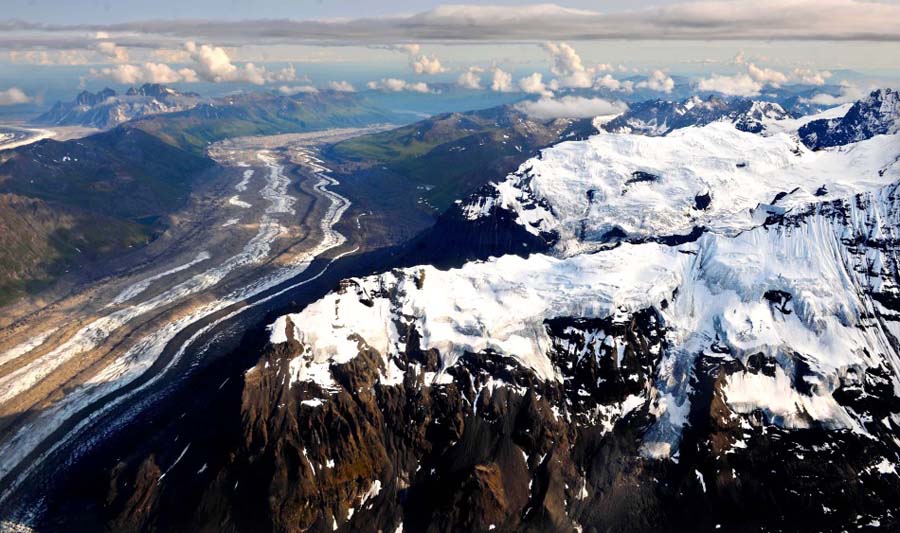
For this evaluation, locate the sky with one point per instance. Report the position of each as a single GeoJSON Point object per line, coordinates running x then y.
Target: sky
{"type": "Point", "coordinates": [736, 47]}
{"type": "Point", "coordinates": [110, 11]}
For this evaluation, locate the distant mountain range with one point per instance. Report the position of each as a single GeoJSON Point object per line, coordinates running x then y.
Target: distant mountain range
{"type": "Point", "coordinates": [106, 109]}
{"type": "Point", "coordinates": [659, 117]}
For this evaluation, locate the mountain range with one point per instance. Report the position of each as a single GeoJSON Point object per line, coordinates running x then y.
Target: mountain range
{"type": "Point", "coordinates": [683, 318]}
{"type": "Point", "coordinates": [614, 336]}
{"type": "Point", "coordinates": [106, 109]}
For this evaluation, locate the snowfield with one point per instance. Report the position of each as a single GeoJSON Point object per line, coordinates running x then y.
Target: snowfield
{"type": "Point", "coordinates": [713, 176]}
{"type": "Point", "coordinates": [799, 279]}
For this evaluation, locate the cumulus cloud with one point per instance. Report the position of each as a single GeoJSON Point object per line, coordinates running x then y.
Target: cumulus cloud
{"type": "Point", "coordinates": [424, 64]}
{"type": "Point", "coordinates": [212, 63]}
{"type": "Point", "coordinates": [657, 81]}
{"type": "Point", "coordinates": [534, 84]}
{"type": "Point", "coordinates": [297, 89]}
{"type": "Point", "coordinates": [566, 64]}
{"type": "Point", "coordinates": [112, 51]}
{"type": "Point", "coordinates": [736, 85]}
{"type": "Point", "coordinates": [471, 78]}
{"type": "Point", "coordinates": [397, 85]}
{"type": "Point", "coordinates": [564, 61]}
{"type": "Point", "coordinates": [420, 63]}
{"type": "Point", "coordinates": [766, 76]}
{"type": "Point", "coordinates": [13, 96]}
{"type": "Point", "coordinates": [612, 84]}
{"type": "Point", "coordinates": [811, 77]}
{"type": "Point", "coordinates": [341, 86]}
{"type": "Point", "coordinates": [570, 107]}
{"type": "Point", "coordinates": [145, 73]}
{"type": "Point", "coordinates": [501, 81]}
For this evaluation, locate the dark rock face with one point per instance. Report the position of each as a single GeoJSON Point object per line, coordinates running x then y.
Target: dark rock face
{"type": "Point", "coordinates": [877, 114]}
{"type": "Point", "coordinates": [661, 117]}
{"type": "Point", "coordinates": [499, 449]}
{"type": "Point", "coordinates": [89, 99]}
{"type": "Point", "coordinates": [475, 229]}
{"type": "Point", "coordinates": [495, 448]}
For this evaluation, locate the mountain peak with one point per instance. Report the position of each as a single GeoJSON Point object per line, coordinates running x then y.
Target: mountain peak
{"type": "Point", "coordinates": [876, 114]}
{"type": "Point", "coordinates": [155, 90]}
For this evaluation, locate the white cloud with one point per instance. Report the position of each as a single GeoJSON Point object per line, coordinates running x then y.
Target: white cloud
{"type": "Point", "coordinates": [570, 107]}
{"type": "Point", "coordinates": [112, 51]}
{"type": "Point", "coordinates": [424, 64]}
{"type": "Point", "coordinates": [611, 83]}
{"type": "Point", "coordinates": [657, 81]}
{"type": "Point", "coordinates": [566, 64]}
{"type": "Point", "coordinates": [288, 73]}
{"type": "Point", "coordinates": [849, 93]}
{"type": "Point", "coordinates": [766, 76]}
{"type": "Point", "coordinates": [213, 64]}
{"type": "Point", "coordinates": [737, 85]}
{"type": "Point", "coordinates": [752, 82]}
{"type": "Point", "coordinates": [564, 61]}
{"type": "Point", "coordinates": [811, 77]}
{"type": "Point", "coordinates": [341, 86]}
{"type": "Point", "coordinates": [534, 84]}
{"type": "Point", "coordinates": [501, 81]}
{"type": "Point", "coordinates": [146, 73]}
{"type": "Point", "coordinates": [471, 78]}
{"type": "Point", "coordinates": [297, 89]}
{"type": "Point", "coordinates": [13, 96]}
{"type": "Point", "coordinates": [418, 62]}
{"type": "Point", "coordinates": [397, 85]}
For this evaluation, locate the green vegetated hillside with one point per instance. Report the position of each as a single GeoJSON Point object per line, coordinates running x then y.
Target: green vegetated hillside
{"type": "Point", "coordinates": [123, 172]}
{"type": "Point", "coordinates": [71, 203]}
{"type": "Point", "coordinates": [448, 155]}
{"type": "Point", "coordinates": [39, 241]}
{"type": "Point", "coordinates": [261, 114]}
{"type": "Point", "coordinates": [64, 205]}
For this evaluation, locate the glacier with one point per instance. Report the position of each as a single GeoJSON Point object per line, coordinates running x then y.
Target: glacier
{"type": "Point", "coordinates": [792, 259]}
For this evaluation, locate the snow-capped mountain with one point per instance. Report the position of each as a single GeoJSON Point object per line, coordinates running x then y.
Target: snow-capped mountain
{"type": "Point", "coordinates": [660, 117]}
{"type": "Point", "coordinates": [711, 310]}
{"type": "Point", "coordinates": [106, 109]}
{"type": "Point", "coordinates": [877, 114]}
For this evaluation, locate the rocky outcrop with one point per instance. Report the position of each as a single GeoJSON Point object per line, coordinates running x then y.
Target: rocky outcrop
{"type": "Point", "coordinates": [878, 114]}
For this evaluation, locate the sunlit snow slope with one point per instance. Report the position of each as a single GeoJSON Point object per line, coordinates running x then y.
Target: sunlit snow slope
{"type": "Point", "coordinates": [750, 252]}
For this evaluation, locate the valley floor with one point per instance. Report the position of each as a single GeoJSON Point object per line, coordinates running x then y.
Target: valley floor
{"type": "Point", "coordinates": [75, 369]}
